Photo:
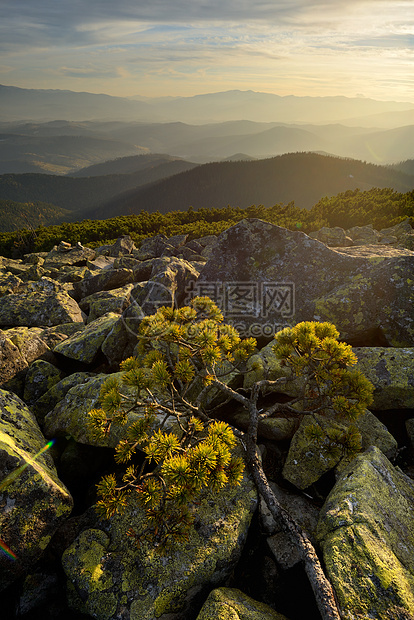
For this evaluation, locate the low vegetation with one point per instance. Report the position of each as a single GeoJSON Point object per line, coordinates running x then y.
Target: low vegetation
{"type": "Point", "coordinates": [379, 207]}
{"type": "Point", "coordinates": [183, 354]}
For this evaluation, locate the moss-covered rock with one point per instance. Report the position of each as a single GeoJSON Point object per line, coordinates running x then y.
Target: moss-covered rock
{"type": "Point", "coordinates": [11, 360]}
{"type": "Point", "coordinates": [65, 254]}
{"type": "Point", "coordinates": [307, 460]}
{"type": "Point", "coordinates": [40, 377]}
{"type": "Point", "coordinates": [391, 371]}
{"type": "Point", "coordinates": [57, 393]}
{"type": "Point", "coordinates": [29, 341]}
{"type": "Point", "coordinates": [367, 535]}
{"type": "Point", "coordinates": [105, 280]}
{"type": "Point", "coordinates": [293, 278]}
{"type": "Point", "coordinates": [106, 301]}
{"type": "Point", "coordinates": [110, 576]}
{"type": "Point", "coordinates": [84, 346]}
{"type": "Point", "coordinates": [232, 604]}
{"type": "Point", "coordinates": [33, 501]}
{"type": "Point", "coordinates": [37, 308]}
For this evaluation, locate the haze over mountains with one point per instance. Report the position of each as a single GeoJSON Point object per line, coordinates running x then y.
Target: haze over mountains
{"type": "Point", "coordinates": [102, 156]}
{"type": "Point", "coordinates": [45, 105]}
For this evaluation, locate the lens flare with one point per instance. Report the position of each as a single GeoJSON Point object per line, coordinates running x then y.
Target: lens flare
{"type": "Point", "coordinates": [9, 479]}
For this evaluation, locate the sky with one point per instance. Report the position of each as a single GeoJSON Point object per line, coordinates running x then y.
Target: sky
{"type": "Point", "coordinates": [155, 48]}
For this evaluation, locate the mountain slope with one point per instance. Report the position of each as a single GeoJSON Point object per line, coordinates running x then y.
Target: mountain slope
{"type": "Point", "coordinates": [84, 192]}
{"type": "Point", "coordinates": [302, 177]}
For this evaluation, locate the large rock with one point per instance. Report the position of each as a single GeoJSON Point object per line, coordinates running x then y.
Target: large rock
{"type": "Point", "coordinates": [33, 501]}
{"type": "Point", "coordinates": [366, 532]}
{"type": "Point", "coordinates": [232, 604]}
{"type": "Point", "coordinates": [100, 303]}
{"type": "Point", "coordinates": [105, 280]}
{"type": "Point", "coordinates": [40, 378]}
{"type": "Point", "coordinates": [170, 280]}
{"type": "Point", "coordinates": [264, 277]}
{"type": "Point", "coordinates": [64, 254]}
{"type": "Point", "coordinates": [56, 393]}
{"type": "Point", "coordinates": [29, 341]}
{"type": "Point", "coordinates": [38, 308]}
{"type": "Point", "coordinates": [307, 461]}
{"type": "Point", "coordinates": [85, 346]}
{"type": "Point", "coordinates": [391, 371]}
{"type": "Point", "coordinates": [11, 360]}
{"type": "Point", "coordinates": [302, 510]}
{"type": "Point", "coordinates": [110, 577]}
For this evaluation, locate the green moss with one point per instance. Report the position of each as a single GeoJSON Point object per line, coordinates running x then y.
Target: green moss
{"type": "Point", "coordinates": [367, 535]}
{"type": "Point", "coordinates": [232, 604]}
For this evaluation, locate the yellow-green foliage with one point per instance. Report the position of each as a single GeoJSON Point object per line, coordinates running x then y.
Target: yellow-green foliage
{"type": "Point", "coordinates": [179, 349]}
{"type": "Point", "coordinates": [328, 386]}
{"type": "Point", "coordinates": [182, 354]}
{"type": "Point", "coordinates": [380, 207]}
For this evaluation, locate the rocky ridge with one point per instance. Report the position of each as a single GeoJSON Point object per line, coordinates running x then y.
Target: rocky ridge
{"type": "Point", "coordinates": [70, 316]}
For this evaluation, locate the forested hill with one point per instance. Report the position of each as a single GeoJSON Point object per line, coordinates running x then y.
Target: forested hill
{"type": "Point", "coordinates": [301, 177]}
{"type": "Point", "coordinates": [86, 191]}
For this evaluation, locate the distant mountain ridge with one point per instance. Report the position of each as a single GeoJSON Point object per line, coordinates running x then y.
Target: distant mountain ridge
{"type": "Point", "coordinates": [36, 104]}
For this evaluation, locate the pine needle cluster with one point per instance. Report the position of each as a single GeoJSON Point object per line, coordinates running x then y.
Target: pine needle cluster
{"type": "Point", "coordinates": [329, 386]}
{"type": "Point", "coordinates": [180, 353]}
{"type": "Point", "coordinates": [174, 449]}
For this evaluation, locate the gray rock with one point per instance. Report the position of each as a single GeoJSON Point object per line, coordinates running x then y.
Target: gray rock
{"type": "Point", "coordinates": [105, 280]}
{"type": "Point", "coordinates": [40, 377]}
{"type": "Point", "coordinates": [391, 371]}
{"type": "Point", "coordinates": [33, 501]}
{"type": "Point", "coordinates": [85, 346]}
{"type": "Point", "coordinates": [302, 510]}
{"type": "Point", "coordinates": [265, 277]}
{"type": "Point", "coordinates": [140, 583]}
{"type": "Point", "coordinates": [36, 309]}
{"type": "Point", "coordinates": [65, 254]}
{"type": "Point", "coordinates": [367, 537]}
{"type": "Point", "coordinates": [232, 604]}
{"type": "Point", "coordinates": [11, 360]}
{"type": "Point", "coordinates": [123, 245]}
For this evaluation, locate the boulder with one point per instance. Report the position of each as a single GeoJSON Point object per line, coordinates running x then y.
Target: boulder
{"type": "Point", "coordinates": [85, 346]}
{"type": "Point", "coordinates": [333, 237]}
{"type": "Point", "coordinates": [398, 230]}
{"type": "Point", "coordinates": [363, 235]}
{"type": "Point", "coordinates": [40, 377]}
{"type": "Point", "coordinates": [100, 303]}
{"type": "Point", "coordinates": [367, 536]}
{"type": "Point", "coordinates": [152, 247]}
{"type": "Point", "coordinates": [11, 360]}
{"type": "Point", "coordinates": [307, 461]}
{"type": "Point", "coordinates": [29, 341]}
{"type": "Point", "coordinates": [391, 371]}
{"type": "Point", "coordinates": [36, 309]}
{"type": "Point", "coordinates": [9, 284]}
{"type": "Point", "coordinates": [171, 278]}
{"type": "Point", "coordinates": [232, 604]}
{"type": "Point", "coordinates": [110, 577]}
{"type": "Point", "coordinates": [56, 334]}
{"type": "Point", "coordinates": [265, 277]}
{"type": "Point", "coordinates": [105, 280]}
{"type": "Point", "coordinates": [33, 501]}
{"type": "Point", "coordinates": [302, 510]}
{"type": "Point", "coordinates": [123, 245]}
{"type": "Point", "coordinates": [57, 393]}
{"type": "Point", "coordinates": [65, 254]}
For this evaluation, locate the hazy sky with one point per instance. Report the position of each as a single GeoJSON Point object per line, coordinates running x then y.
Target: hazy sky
{"type": "Point", "coordinates": [188, 47]}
